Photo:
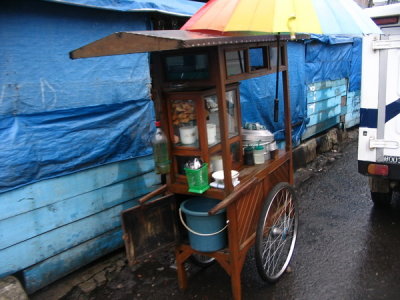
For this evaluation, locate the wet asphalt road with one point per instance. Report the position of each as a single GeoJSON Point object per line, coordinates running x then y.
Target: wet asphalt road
{"type": "Point", "coordinates": [346, 249]}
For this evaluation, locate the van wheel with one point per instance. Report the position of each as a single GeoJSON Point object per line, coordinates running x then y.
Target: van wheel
{"type": "Point", "coordinates": [381, 200]}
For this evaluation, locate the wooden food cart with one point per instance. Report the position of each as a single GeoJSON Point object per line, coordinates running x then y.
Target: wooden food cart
{"type": "Point", "coordinates": [193, 72]}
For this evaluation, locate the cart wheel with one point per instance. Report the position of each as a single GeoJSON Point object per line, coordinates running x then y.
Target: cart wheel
{"type": "Point", "coordinates": [202, 260]}
{"type": "Point", "coordinates": [276, 232]}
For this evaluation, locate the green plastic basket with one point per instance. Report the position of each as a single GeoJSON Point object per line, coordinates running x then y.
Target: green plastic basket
{"type": "Point", "coordinates": [198, 179]}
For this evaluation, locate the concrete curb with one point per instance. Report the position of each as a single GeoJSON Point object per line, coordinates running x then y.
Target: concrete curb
{"type": "Point", "coordinates": [11, 289]}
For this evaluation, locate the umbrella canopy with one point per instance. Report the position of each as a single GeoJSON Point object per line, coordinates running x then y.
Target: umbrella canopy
{"type": "Point", "coordinates": [249, 17]}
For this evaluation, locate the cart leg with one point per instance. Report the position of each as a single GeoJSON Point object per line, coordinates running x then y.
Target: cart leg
{"type": "Point", "coordinates": [180, 268]}
{"type": "Point", "coordinates": [236, 283]}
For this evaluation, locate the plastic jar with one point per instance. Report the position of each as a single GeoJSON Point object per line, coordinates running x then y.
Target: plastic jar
{"type": "Point", "coordinates": [258, 154]}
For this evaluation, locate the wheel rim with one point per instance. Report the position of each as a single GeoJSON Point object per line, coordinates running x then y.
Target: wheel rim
{"type": "Point", "coordinates": [280, 231]}
{"type": "Point", "coordinates": [202, 260]}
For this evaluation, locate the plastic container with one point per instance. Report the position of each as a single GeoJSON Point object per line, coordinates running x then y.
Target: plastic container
{"type": "Point", "coordinates": [188, 135]}
{"type": "Point", "coordinates": [206, 233]}
{"type": "Point", "coordinates": [258, 154]}
{"type": "Point", "coordinates": [198, 179]}
{"type": "Point", "coordinates": [160, 151]}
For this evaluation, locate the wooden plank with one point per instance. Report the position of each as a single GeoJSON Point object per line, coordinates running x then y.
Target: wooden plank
{"type": "Point", "coordinates": [317, 128]}
{"type": "Point", "coordinates": [319, 95]}
{"type": "Point", "coordinates": [326, 84]}
{"type": "Point", "coordinates": [352, 122]}
{"type": "Point", "coordinates": [60, 265]}
{"type": "Point", "coordinates": [316, 107]}
{"type": "Point", "coordinates": [41, 247]}
{"type": "Point", "coordinates": [321, 116]}
{"type": "Point", "coordinates": [27, 225]}
{"type": "Point", "coordinates": [353, 100]}
{"type": "Point", "coordinates": [50, 191]}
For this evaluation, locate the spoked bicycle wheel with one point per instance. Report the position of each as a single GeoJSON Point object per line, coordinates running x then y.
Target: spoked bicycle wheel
{"type": "Point", "coordinates": [276, 232]}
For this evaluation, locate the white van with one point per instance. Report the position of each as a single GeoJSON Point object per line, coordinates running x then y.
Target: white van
{"type": "Point", "coordinates": [379, 132]}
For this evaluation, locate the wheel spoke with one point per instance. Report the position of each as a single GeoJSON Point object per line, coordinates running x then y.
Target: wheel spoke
{"type": "Point", "coordinates": [274, 257]}
{"type": "Point", "coordinates": [276, 232]}
{"type": "Point", "coordinates": [275, 247]}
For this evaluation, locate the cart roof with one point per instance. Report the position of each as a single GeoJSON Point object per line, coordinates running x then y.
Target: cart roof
{"type": "Point", "coordinates": [161, 40]}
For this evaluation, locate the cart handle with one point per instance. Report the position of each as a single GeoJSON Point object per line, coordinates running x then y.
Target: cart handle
{"type": "Point", "coordinates": [162, 189]}
{"type": "Point", "coordinates": [198, 233]}
{"type": "Point", "coordinates": [234, 196]}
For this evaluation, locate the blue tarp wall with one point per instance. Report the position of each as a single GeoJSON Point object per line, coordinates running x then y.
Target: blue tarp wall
{"type": "Point", "coordinates": [57, 115]}
{"type": "Point", "coordinates": [317, 59]}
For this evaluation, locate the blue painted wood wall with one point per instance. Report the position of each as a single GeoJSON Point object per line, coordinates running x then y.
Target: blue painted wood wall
{"type": "Point", "coordinates": [53, 227]}
{"type": "Point", "coordinates": [329, 103]}
{"type": "Point", "coordinates": [351, 110]}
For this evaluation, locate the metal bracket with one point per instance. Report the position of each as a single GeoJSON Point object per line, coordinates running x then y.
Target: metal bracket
{"type": "Point", "coordinates": [385, 44]}
{"type": "Point", "coordinates": [375, 143]}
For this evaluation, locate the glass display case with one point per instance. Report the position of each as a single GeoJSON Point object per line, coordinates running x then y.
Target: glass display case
{"type": "Point", "coordinates": [194, 120]}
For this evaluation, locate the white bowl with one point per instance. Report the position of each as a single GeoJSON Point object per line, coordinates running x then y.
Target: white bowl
{"type": "Point", "coordinates": [219, 175]}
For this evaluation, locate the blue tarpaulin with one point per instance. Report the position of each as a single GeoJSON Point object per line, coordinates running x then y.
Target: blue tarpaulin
{"type": "Point", "coordinates": [317, 59]}
{"type": "Point", "coordinates": [257, 95]}
{"type": "Point", "coordinates": [173, 7]}
{"type": "Point", "coordinates": [332, 58]}
{"type": "Point", "coordinates": [57, 115]}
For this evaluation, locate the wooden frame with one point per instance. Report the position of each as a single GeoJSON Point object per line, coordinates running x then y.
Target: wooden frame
{"type": "Point", "coordinates": [244, 202]}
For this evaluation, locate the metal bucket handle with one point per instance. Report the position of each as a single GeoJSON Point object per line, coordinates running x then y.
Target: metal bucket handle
{"type": "Point", "coordinates": [198, 233]}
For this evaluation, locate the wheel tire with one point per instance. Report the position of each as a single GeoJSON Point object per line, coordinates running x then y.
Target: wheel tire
{"type": "Point", "coordinates": [382, 200]}
{"type": "Point", "coordinates": [275, 239]}
{"type": "Point", "coordinates": [202, 260]}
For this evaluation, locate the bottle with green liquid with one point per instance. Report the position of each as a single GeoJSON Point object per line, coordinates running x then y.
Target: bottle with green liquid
{"type": "Point", "coordinates": [160, 151]}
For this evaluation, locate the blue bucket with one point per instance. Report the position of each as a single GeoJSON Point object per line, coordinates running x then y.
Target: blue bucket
{"type": "Point", "coordinates": [206, 233]}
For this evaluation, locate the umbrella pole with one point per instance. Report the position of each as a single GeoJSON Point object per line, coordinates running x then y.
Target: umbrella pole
{"type": "Point", "coordinates": [276, 101]}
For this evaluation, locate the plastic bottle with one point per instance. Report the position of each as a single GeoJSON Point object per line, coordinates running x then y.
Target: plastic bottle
{"type": "Point", "coordinates": [258, 154]}
{"type": "Point", "coordinates": [248, 156]}
{"type": "Point", "coordinates": [160, 151]}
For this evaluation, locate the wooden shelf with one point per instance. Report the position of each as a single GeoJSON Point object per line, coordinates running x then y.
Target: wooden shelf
{"type": "Point", "coordinates": [246, 173]}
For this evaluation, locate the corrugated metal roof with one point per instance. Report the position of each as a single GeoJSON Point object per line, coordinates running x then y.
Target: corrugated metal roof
{"type": "Point", "coordinates": [161, 40]}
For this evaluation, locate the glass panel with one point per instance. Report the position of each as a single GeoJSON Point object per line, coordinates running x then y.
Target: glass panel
{"type": "Point", "coordinates": [234, 62]}
{"type": "Point", "coordinates": [257, 60]}
{"type": "Point", "coordinates": [216, 162]}
{"type": "Point", "coordinates": [181, 162]}
{"type": "Point", "coordinates": [272, 56]}
{"type": "Point", "coordinates": [186, 67]}
{"type": "Point", "coordinates": [232, 113]}
{"type": "Point", "coordinates": [213, 129]}
{"type": "Point", "coordinates": [235, 153]}
{"type": "Point", "coordinates": [184, 123]}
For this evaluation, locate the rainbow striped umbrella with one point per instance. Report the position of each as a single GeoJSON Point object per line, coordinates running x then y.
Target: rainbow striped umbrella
{"type": "Point", "coordinates": [249, 17]}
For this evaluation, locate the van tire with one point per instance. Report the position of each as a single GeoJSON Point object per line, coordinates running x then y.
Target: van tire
{"type": "Point", "coordinates": [381, 200]}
